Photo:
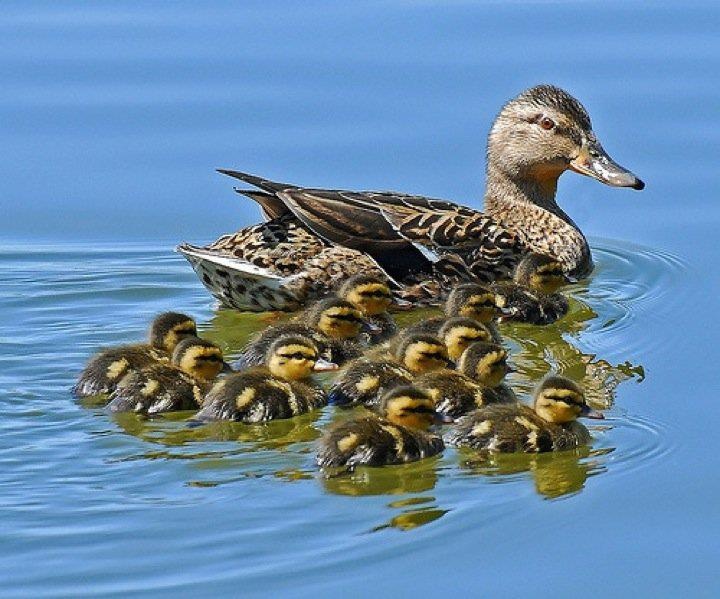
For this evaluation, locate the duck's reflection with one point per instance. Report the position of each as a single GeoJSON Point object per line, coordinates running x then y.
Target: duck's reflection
{"type": "Point", "coordinates": [555, 474]}
{"type": "Point", "coordinates": [416, 477]}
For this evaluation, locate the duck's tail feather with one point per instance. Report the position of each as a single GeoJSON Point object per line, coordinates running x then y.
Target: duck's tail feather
{"type": "Point", "coordinates": [271, 206]}
{"type": "Point", "coordinates": [259, 182]}
{"type": "Point", "coordinates": [242, 285]}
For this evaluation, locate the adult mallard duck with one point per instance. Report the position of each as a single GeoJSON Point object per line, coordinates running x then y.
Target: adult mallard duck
{"type": "Point", "coordinates": [315, 237]}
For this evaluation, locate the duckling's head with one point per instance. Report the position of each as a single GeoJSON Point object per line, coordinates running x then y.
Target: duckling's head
{"type": "Point", "coordinates": [169, 328]}
{"type": "Point", "coordinates": [422, 353]}
{"type": "Point", "coordinates": [543, 132]}
{"type": "Point", "coordinates": [484, 362]}
{"type": "Point", "coordinates": [337, 318]}
{"type": "Point", "coordinates": [459, 332]}
{"type": "Point", "coordinates": [198, 357]}
{"type": "Point", "coordinates": [540, 272]}
{"type": "Point", "coordinates": [368, 293]}
{"type": "Point", "coordinates": [294, 357]}
{"type": "Point", "coordinates": [409, 406]}
{"type": "Point", "coordinates": [560, 400]}
{"type": "Point", "coordinates": [472, 301]}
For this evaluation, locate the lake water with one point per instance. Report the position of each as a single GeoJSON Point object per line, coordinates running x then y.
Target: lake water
{"type": "Point", "coordinates": [113, 117]}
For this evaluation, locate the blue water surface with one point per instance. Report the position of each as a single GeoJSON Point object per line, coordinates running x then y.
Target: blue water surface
{"type": "Point", "coordinates": [113, 117]}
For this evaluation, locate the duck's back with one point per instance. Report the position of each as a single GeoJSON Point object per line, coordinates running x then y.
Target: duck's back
{"type": "Point", "coordinates": [373, 441]}
{"type": "Point", "coordinates": [156, 389]}
{"type": "Point", "coordinates": [256, 395]}
{"type": "Point", "coordinates": [363, 381]}
{"type": "Point", "coordinates": [107, 368]}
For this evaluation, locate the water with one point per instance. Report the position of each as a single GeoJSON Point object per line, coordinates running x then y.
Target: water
{"type": "Point", "coordinates": [114, 117]}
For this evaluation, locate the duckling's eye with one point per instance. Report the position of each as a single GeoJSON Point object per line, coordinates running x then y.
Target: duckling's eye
{"type": "Point", "coordinates": [546, 123]}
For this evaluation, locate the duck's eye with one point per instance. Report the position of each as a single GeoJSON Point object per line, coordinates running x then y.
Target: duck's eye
{"type": "Point", "coordinates": [546, 123]}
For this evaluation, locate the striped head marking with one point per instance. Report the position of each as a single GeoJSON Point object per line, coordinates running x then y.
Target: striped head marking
{"type": "Point", "coordinates": [292, 357]}
{"type": "Point", "coordinates": [337, 318]}
{"type": "Point", "coordinates": [484, 362]}
{"type": "Point", "coordinates": [423, 353]}
{"type": "Point", "coordinates": [541, 273]}
{"type": "Point", "coordinates": [170, 328]}
{"type": "Point", "coordinates": [368, 293]}
{"type": "Point", "coordinates": [459, 332]}
{"type": "Point", "coordinates": [560, 400]}
{"type": "Point", "coordinates": [472, 301]}
{"type": "Point", "coordinates": [409, 406]}
{"type": "Point", "coordinates": [200, 358]}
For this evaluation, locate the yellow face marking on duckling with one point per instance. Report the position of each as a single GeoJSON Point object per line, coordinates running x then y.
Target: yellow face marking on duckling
{"type": "Point", "coordinates": [491, 369]}
{"type": "Point", "coordinates": [150, 388]}
{"type": "Point", "coordinates": [370, 298]}
{"type": "Point", "coordinates": [411, 412]}
{"type": "Point", "coordinates": [245, 397]}
{"type": "Point", "coordinates": [556, 411]}
{"type": "Point", "coordinates": [293, 361]}
{"type": "Point", "coordinates": [458, 338]}
{"type": "Point", "coordinates": [481, 307]}
{"type": "Point", "coordinates": [348, 443]}
{"type": "Point", "coordinates": [367, 383]}
{"type": "Point", "coordinates": [176, 334]}
{"type": "Point", "coordinates": [482, 428]}
{"type": "Point", "coordinates": [117, 369]}
{"type": "Point", "coordinates": [202, 362]}
{"type": "Point", "coordinates": [340, 323]}
{"type": "Point", "coordinates": [425, 357]}
{"type": "Point", "coordinates": [548, 278]}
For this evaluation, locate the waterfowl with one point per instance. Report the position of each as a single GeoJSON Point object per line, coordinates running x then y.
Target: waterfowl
{"type": "Point", "coordinates": [551, 425]}
{"type": "Point", "coordinates": [333, 324]}
{"type": "Point", "coordinates": [456, 333]}
{"type": "Point", "coordinates": [364, 381]}
{"type": "Point", "coordinates": [273, 392]}
{"type": "Point", "coordinates": [371, 295]}
{"type": "Point", "coordinates": [399, 436]}
{"type": "Point", "coordinates": [422, 243]}
{"type": "Point", "coordinates": [486, 364]}
{"type": "Point", "coordinates": [532, 295]}
{"type": "Point", "coordinates": [172, 387]}
{"type": "Point", "coordinates": [418, 353]}
{"type": "Point", "coordinates": [475, 301]}
{"type": "Point", "coordinates": [105, 369]}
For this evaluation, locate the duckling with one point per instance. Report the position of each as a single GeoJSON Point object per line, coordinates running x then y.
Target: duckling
{"type": "Point", "coordinates": [420, 353]}
{"type": "Point", "coordinates": [474, 301]}
{"type": "Point", "coordinates": [172, 387]}
{"type": "Point", "coordinates": [532, 295]}
{"type": "Point", "coordinates": [550, 426]}
{"type": "Point", "coordinates": [273, 392]}
{"type": "Point", "coordinates": [486, 364]}
{"type": "Point", "coordinates": [399, 436]}
{"type": "Point", "coordinates": [372, 296]}
{"type": "Point", "coordinates": [363, 382]}
{"type": "Point", "coordinates": [105, 369]}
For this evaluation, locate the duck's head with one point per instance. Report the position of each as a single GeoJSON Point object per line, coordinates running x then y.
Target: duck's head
{"type": "Point", "coordinates": [420, 352]}
{"type": "Point", "coordinates": [337, 318]}
{"type": "Point", "coordinates": [540, 272]}
{"type": "Point", "coordinates": [543, 132]}
{"type": "Point", "coordinates": [472, 301]}
{"type": "Point", "coordinates": [484, 362]}
{"type": "Point", "coordinates": [459, 332]}
{"type": "Point", "coordinates": [295, 357]}
{"type": "Point", "coordinates": [368, 293]}
{"type": "Point", "coordinates": [200, 358]}
{"type": "Point", "coordinates": [560, 400]}
{"type": "Point", "coordinates": [410, 407]}
{"type": "Point", "coordinates": [169, 328]}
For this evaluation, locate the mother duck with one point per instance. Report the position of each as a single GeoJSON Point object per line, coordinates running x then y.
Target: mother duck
{"type": "Point", "coordinates": [314, 238]}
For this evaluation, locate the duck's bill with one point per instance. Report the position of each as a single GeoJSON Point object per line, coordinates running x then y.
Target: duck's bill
{"type": "Point", "coordinates": [323, 365]}
{"type": "Point", "coordinates": [588, 412]}
{"type": "Point", "coordinates": [226, 368]}
{"type": "Point", "coordinates": [594, 162]}
{"type": "Point", "coordinates": [371, 328]}
{"type": "Point", "coordinates": [443, 418]}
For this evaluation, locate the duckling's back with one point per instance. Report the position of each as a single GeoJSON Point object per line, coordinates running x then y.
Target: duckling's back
{"type": "Point", "coordinates": [363, 381]}
{"type": "Point", "coordinates": [256, 395]}
{"type": "Point", "coordinates": [107, 368]}
{"type": "Point", "coordinates": [373, 441]}
{"type": "Point", "coordinates": [155, 389]}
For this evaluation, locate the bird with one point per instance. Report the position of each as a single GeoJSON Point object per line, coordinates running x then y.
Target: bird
{"type": "Point", "coordinates": [455, 332]}
{"type": "Point", "coordinates": [333, 324]}
{"type": "Point", "coordinates": [106, 368]}
{"type": "Point", "coordinates": [372, 295]}
{"type": "Point", "coordinates": [398, 436]}
{"type": "Point", "coordinates": [486, 363]}
{"type": "Point", "coordinates": [314, 237]}
{"type": "Point", "coordinates": [475, 301]}
{"type": "Point", "coordinates": [276, 391]}
{"type": "Point", "coordinates": [550, 425]}
{"type": "Point", "coordinates": [533, 295]}
{"type": "Point", "coordinates": [364, 381]}
{"type": "Point", "coordinates": [162, 387]}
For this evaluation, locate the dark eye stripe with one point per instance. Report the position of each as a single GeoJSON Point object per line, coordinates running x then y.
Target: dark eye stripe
{"type": "Point", "coordinates": [298, 356]}
{"type": "Point", "coordinates": [348, 317]}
